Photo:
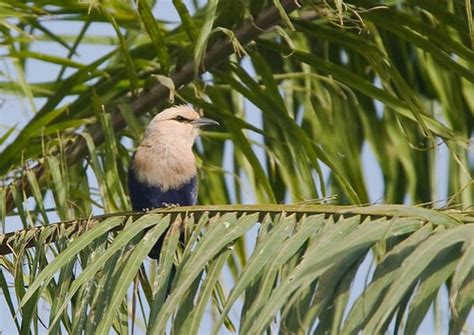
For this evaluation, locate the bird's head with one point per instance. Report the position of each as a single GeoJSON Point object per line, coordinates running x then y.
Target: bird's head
{"type": "Point", "coordinates": [177, 123]}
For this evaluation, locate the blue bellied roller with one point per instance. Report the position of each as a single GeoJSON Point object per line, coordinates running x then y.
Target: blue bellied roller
{"type": "Point", "coordinates": [163, 169]}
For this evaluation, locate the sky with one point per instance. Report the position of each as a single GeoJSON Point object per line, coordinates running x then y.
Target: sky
{"type": "Point", "coordinates": [16, 111]}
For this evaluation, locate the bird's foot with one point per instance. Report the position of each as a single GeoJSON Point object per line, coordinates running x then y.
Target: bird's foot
{"type": "Point", "coordinates": [168, 205]}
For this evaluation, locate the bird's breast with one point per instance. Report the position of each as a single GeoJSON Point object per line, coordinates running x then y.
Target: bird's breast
{"type": "Point", "coordinates": [164, 167]}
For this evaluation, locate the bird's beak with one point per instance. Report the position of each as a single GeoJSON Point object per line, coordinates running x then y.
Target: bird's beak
{"type": "Point", "coordinates": [204, 122]}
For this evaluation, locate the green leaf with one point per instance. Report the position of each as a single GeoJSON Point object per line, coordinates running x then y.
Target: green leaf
{"type": "Point", "coordinates": [8, 298]}
{"type": "Point", "coordinates": [153, 30]}
{"type": "Point", "coordinates": [122, 283]}
{"type": "Point", "coordinates": [129, 64]}
{"type": "Point", "coordinates": [222, 232]}
{"type": "Point", "coordinates": [204, 34]}
{"type": "Point", "coordinates": [79, 244]}
{"type": "Point", "coordinates": [426, 252]}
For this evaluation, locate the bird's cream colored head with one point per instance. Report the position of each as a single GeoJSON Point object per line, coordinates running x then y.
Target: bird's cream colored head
{"type": "Point", "coordinates": [174, 123]}
{"type": "Point", "coordinates": [165, 156]}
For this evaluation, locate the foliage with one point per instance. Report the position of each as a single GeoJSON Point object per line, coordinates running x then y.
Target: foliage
{"type": "Point", "coordinates": [301, 270]}
{"type": "Point", "coordinates": [331, 79]}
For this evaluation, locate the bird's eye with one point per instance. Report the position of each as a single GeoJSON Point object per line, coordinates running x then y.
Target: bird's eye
{"type": "Point", "coordinates": [180, 118]}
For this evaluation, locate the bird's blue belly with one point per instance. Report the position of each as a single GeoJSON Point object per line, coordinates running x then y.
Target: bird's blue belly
{"type": "Point", "coordinates": [145, 196]}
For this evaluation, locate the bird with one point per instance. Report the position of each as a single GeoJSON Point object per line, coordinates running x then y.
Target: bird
{"type": "Point", "coordinates": [163, 171]}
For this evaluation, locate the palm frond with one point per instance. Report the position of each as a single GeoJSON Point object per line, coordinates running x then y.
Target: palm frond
{"type": "Point", "coordinates": [302, 265]}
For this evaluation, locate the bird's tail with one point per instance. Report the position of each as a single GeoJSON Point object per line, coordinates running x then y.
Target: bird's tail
{"type": "Point", "coordinates": [155, 251]}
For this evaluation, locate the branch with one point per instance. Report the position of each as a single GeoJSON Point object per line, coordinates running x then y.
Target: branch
{"type": "Point", "coordinates": [51, 233]}
{"type": "Point", "coordinates": [247, 32]}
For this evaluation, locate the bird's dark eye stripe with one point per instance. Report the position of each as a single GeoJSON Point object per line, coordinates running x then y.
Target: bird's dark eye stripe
{"type": "Point", "coordinates": [181, 119]}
